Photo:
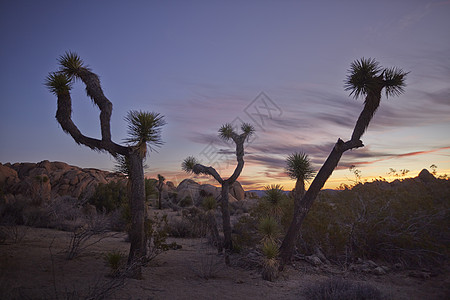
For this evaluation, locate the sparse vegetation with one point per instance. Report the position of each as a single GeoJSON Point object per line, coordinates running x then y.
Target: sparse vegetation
{"type": "Point", "coordinates": [339, 289]}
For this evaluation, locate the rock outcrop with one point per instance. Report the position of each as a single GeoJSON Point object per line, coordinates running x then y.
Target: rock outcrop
{"type": "Point", "coordinates": [40, 182]}
{"type": "Point", "coordinates": [196, 191]}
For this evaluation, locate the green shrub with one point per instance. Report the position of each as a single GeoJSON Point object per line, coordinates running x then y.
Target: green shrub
{"type": "Point", "coordinates": [110, 196]}
{"type": "Point", "coordinates": [209, 203]}
{"type": "Point", "coordinates": [115, 260]}
{"type": "Point", "coordinates": [268, 228]}
{"type": "Point", "coordinates": [185, 202]}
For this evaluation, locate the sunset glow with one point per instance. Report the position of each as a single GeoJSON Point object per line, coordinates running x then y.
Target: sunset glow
{"type": "Point", "coordinates": [277, 65]}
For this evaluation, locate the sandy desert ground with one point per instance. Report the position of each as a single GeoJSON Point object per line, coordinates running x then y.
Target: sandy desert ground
{"type": "Point", "coordinates": [37, 268]}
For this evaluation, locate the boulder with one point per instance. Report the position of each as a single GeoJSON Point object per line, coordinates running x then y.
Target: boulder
{"type": "Point", "coordinates": [210, 190]}
{"type": "Point", "coordinates": [237, 191]}
{"type": "Point", "coordinates": [8, 176]}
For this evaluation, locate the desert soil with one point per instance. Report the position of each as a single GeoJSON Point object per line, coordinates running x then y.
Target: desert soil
{"type": "Point", "coordinates": [36, 268]}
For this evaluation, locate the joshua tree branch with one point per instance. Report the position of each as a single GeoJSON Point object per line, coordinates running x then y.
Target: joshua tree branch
{"type": "Point", "coordinates": [64, 117]}
{"type": "Point", "coordinates": [201, 169]}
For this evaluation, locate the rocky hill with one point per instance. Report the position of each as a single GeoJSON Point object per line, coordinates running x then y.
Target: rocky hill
{"type": "Point", "coordinates": [43, 181]}
{"type": "Point", "coordinates": [38, 183]}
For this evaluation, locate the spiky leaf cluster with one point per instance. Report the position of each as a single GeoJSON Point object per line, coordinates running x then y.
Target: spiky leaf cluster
{"type": "Point", "coordinates": [71, 63]}
{"type": "Point", "coordinates": [268, 227]}
{"type": "Point", "coordinates": [361, 77]}
{"type": "Point", "coordinates": [58, 83]}
{"type": "Point", "coordinates": [144, 128]}
{"type": "Point", "coordinates": [365, 75]}
{"type": "Point", "coordinates": [188, 164]}
{"type": "Point", "coordinates": [298, 166]}
{"type": "Point", "coordinates": [394, 81]}
{"type": "Point", "coordinates": [226, 131]}
{"type": "Point", "coordinates": [270, 250]}
{"type": "Point", "coordinates": [248, 129]}
{"type": "Point", "coordinates": [274, 194]}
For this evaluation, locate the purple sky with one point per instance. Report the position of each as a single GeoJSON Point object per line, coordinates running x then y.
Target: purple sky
{"type": "Point", "coordinates": [205, 63]}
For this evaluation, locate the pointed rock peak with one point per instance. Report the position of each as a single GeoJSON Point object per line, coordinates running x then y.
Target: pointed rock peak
{"type": "Point", "coordinates": [426, 176]}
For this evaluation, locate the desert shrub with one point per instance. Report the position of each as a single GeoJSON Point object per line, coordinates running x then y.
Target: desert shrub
{"type": "Point", "coordinates": [157, 232]}
{"type": "Point", "coordinates": [185, 202]}
{"type": "Point", "coordinates": [270, 262]}
{"type": "Point", "coordinates": [94, 229]}
{"type": "Point", "coordinates": [115, 260]}
{"type": "Point", "coordinates": [209, 203]}
{"type": "Point", "coordinates": [63, 213]}
{"type": "Point", "coordinates": [245, 232]}
{"type": "Point", "coordinates": [209, 263]}
{"type": "Point", "coordinates": [110, 196]}
{"type": "Point", "coordinates": [179, 228]}
{"type": "Point", "coordinates": [396, 222]}
{"type": "Point", "coordinates": [12, 213]}
{"type": "Point", "coordinates": [338, 289]}
{"type": "Point", "coordinates": [268, 228]}
{"type": "Point", "coordinates": [150, 188]}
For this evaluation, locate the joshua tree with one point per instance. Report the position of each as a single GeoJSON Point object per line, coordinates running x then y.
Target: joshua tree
{"type": "Point", "coordinates": [191, 165]}
{"type": "Point", "coordinates": [365, 78]}
{"type": "Point", "coordinates": [298, 167]}
{"type": "Point", "coordinates": [144, 129]}
{"type": "Point", "coordinates": [159, 187]}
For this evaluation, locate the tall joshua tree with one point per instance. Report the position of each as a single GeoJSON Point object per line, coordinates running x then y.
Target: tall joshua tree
{"type": "Point", "coordinates": [191, 165]}
{"type": "Point", "coordinates": [298, 167]}
{"type": "Point", "coordinates": [365, 78]}
{"type": "Point", "coordinates": [159, 187]}
{"type": "Point", "coordinates": [144, 129]}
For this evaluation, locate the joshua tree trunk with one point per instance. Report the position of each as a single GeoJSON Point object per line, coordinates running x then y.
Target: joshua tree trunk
{"type": "Point", "coordinates": [298, 193]}
{"type": "Point", "coordinates": [288, 244]}
{"type": "Point", "coordinates": [371, 104]}
{"type": "Point", "coordinates": [138, 239]}
{"type": "Point", "coordinates": [227, 241]}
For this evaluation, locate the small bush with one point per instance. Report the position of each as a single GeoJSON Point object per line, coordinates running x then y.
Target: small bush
{"type": "Point", "coordinates": [337, 289]}
{"type": "Point", "coordinates": [209, 203]}
{"type": "Point", "coordinates": [269, 229]}
{"type": "Point", "coordinates": [110, 196]}
{"type": "Point", "coordinates": [115, 260]}
{"type": "Point", "coordinates": [185, 202]}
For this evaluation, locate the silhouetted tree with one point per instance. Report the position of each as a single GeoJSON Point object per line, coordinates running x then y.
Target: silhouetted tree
{"type": "Point", "coordinates": [191, 165]}
{"type": "Point", "coordinates": [144, 129]}
{"type": "Point", "coordinates": [159, 187]}
{"type": "Point", "coordinates": [365, 78]}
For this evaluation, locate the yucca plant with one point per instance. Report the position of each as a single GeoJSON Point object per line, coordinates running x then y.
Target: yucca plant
{"type": "Point", "coordinates": [270, 262]}
{"type": "Point", "coordinates": [273, 200]}
{"type": "Point", "coordinates": [298, 167]}
{"type": "Point", "coordinates": [269, 229]}
{"type": "Point", "coordinates": [115, 260]}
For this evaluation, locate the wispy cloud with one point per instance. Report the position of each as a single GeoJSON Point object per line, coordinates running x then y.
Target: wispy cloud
{"type": "Point", "coordinates": [387, 157]}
